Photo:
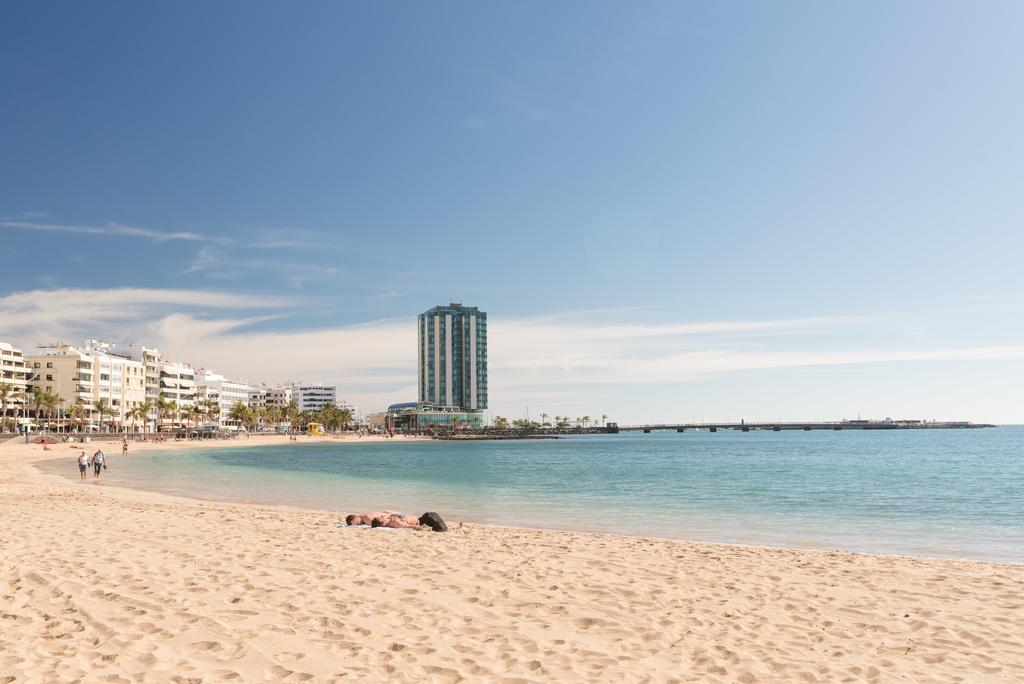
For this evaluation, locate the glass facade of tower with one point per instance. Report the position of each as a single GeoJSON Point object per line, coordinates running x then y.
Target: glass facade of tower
{"type": "Point", "coordinates": [453, 357]}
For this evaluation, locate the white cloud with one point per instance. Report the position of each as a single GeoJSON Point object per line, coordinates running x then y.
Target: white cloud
{"type": "Point", "coordinates": [40, 315]}
{"type": "Point", "coordinates": [545, 361]}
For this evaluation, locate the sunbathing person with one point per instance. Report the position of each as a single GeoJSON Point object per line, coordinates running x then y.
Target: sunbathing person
{"type": "Point", "coordinates": [396, 521]}
{"type": "Point", "coordinates": [367, 518]}
{"type": "Point", "coordinates": [428, 521]}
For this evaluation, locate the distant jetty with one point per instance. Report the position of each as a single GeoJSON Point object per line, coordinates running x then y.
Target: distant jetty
{"type": "Point", "coordinates": [470, 436]}
{"type": "Point", "coordinates": [743, 426]}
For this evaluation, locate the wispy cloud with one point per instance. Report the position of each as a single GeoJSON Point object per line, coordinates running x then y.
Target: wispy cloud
{"type": "Point", "coordinates": [205, 259]}
{"type": "Point", "coordinates": [211, 261]}
{"type": "Point", "coordinates": [112, 229]}
{"type": "Point", "coordinates": [256, 238]}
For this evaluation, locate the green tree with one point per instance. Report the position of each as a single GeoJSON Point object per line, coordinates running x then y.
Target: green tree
{"type": "Point", "coordinates": [76, 414]}
{"type": "Point", "coordinates": [38, 393]}
{"type": "Point", "coordinates": [213, 411]}
{"type": "Point", "coordinates": [501, 423]}
{"type": "Point", "coordinates": [51, 402]}
{"type": "Point", "coordinates": [102, 407]}
{"type": "Point", "coordinates": [240, 413]}
{"type": "Point", "coordinates": [6, 393]}
{"type": "Point", "coordinates": [291, 414]}
{"type": "Point", "coordinates": [162, 405]}
{"type": "Point", "coordinates": [142, 412]}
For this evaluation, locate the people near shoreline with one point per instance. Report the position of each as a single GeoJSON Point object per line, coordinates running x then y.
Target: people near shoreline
{"type": "Point", "coordinates": [99, 462]}
{"type": "Point", "coordinates": [124, 447]}
{"type": "Point", "coordinates": [83, 464]}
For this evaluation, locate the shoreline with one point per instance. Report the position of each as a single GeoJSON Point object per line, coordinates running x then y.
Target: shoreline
{"type": "Point", "coordinates": [106, 581]}
{"type": "Point", "coordinates": [795, 543]}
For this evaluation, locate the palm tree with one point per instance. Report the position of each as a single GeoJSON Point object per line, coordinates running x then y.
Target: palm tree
{"type": "Point", "coordinates": [102, 407]}
{"type": "Point", "coordinates": [76, 414]}
{"type": "Point", "coordinates": [345, 414]}
{"type": "Point", "coordinates": [51, 402]}
{"type": "Point", "coordinates": [60, 401]}
{"type": "Point", "coordinates": [586, 421]}
{"type": "Point", "coordinates": [162, 406]}
{"type": "Point", "coordinates": [6, 390]}
{"type": "Point", "coordinates": [194, 413]}
{"type": "Point", "coordinates": [141, 412]}
{"type": "Point", "coordinates": [544, 419]}
{"type": "Point", "coordinates": [291, 414]}
{"type": "Point", "coordinates": [240, 413]}
{"type": "Point", "coordinates": [37, 400]}
{"type": "Point", "coordinates": [213, 411]}
{"type": "Point", "coordinates": [604, 419]}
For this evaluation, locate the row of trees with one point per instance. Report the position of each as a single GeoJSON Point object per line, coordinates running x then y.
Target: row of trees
{"type": "Point", "coordinates": [255, 418]}
{"type": "Point", "coordinates": [502, 423]}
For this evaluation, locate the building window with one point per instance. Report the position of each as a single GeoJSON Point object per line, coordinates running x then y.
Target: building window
{"type": "Point", "coordinates": [49, 378]}
{"type": "Point", "coordinates": [49, 364]}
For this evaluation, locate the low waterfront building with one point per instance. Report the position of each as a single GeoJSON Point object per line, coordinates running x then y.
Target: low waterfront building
{"type": "Point", "coordinates": [14, 376]}
{"type": "Point", "coordinates": [415, 416]}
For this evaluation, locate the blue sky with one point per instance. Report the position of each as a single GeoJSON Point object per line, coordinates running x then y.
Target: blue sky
{"type": "Point", "coordinates": [668, 209]}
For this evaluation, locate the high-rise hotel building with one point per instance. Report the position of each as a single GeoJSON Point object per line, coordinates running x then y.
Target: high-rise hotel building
{"type": "Point", "coordinates": [453, 357]}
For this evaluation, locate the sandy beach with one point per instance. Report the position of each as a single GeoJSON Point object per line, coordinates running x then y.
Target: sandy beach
{"type": "Point", "coordinates": [101, 583]}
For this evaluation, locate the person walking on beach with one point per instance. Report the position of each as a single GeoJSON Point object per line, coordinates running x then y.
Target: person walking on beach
{"type": "Point", "coordinates": [99, 462]}
{"type": "Point", "coordinates": [83, 464]}
{"type": "Point", "coordinates": [124, 447]}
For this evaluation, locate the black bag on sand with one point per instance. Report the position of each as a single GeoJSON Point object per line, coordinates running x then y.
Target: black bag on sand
{"type": "Point", "coordinates": [433, 521]}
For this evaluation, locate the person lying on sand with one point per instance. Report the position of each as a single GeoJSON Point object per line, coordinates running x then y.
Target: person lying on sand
{"type": "Point", "coordinates": [367, 518]}
{"type": "Point", "coordinates": [384, 519]}
{"type": "Point", "coordinates": [427, 521]}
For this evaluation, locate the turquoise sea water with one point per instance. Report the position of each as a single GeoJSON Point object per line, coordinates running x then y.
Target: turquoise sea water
{"type": "Point", "coordinates": [950, 493]}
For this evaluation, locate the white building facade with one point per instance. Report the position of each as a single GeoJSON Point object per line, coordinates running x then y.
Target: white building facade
{"type": "Point", "coordinates": [313, 396]}
{"type": "Point", "coordinates": [14, 375]}
{"type": "Point", "coordinates": [226, 393]}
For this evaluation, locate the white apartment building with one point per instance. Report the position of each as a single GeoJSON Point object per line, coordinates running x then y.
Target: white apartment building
{"type": "Point", "coordinates": [357, 417]}
{"type": "Point", "coordinates": [13, 374]}
{"type": "Point", "coordinates": [257, 397]}
{"type": "Point", "coordinates": [168, 380]}
{"type": "Point", "coordinates": [178, 383]}
{"type": "Point", "coordinates": [314, 396]}
{"type": "Point", "coordinates": [225, 392]}
{"type": "Point", "coordinates": [277, 397]}
{"type": "Point", "coordinates": [85, 375]}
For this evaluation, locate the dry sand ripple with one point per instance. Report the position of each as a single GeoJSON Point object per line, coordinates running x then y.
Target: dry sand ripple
{"type": "Point", "coordinates": [108, 585]}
